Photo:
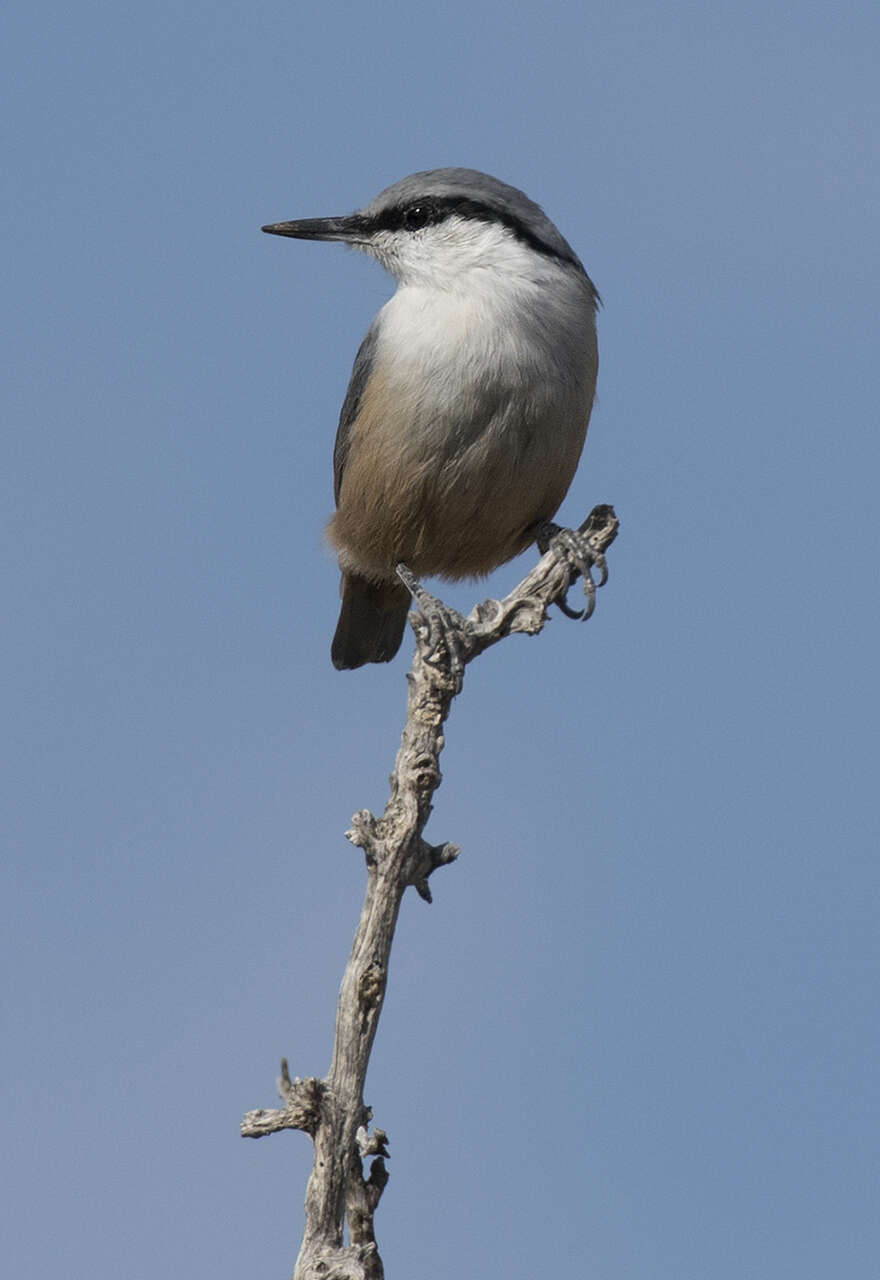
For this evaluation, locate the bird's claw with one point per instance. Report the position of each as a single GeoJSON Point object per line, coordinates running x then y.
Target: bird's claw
{"type": "Point", "coordinates": [442, 636]}
{"type": "Point", "coordinates": [575, 550]}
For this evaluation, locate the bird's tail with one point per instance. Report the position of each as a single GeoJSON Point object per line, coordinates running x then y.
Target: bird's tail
{"type": "Point", "coordinates": [371, 622]}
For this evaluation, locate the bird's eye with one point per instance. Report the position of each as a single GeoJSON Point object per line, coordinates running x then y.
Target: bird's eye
{"type": "Point", "coordinates": [417, 215]}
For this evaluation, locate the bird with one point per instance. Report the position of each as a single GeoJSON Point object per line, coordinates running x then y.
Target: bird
{"type": "Point", "coordinates": [469, 399]}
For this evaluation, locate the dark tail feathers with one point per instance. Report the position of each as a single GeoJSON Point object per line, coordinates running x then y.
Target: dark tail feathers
{"type": "Point", "coordinates": [371, 622]}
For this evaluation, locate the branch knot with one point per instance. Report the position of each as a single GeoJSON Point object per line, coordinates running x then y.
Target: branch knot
{"type": "Point", "coordinates": [302, 1108]}
{"type": "Point", "coordinates": [371, 984]}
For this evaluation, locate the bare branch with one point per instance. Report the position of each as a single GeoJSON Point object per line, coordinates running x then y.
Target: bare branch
{"type": "Point", "coordinates": [332, 1110]}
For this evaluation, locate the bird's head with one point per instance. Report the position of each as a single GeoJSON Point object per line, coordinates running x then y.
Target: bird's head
{"type": "Point", "coordinates": [436, 227]}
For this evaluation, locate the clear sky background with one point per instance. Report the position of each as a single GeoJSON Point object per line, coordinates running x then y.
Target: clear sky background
{"type": "Point", "coordinates": [635, 1037]}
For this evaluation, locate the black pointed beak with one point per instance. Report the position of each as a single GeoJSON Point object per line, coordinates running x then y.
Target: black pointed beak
{"type": "Point", "coordinates": [350, 229]}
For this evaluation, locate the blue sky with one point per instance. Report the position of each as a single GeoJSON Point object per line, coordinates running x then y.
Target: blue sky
{"type": "Point", "coordinates": [635, 1037]}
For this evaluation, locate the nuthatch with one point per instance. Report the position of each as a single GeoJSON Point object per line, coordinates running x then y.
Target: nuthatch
{"type": "Point", "coordinates": [470, 395]}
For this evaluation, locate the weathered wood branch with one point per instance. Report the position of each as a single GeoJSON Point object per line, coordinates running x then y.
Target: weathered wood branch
{"type": "Point", "coordinates": [332, 1110]}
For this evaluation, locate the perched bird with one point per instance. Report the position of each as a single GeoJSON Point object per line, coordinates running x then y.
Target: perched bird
{"type": "Point", "coordinates": [470, 395]}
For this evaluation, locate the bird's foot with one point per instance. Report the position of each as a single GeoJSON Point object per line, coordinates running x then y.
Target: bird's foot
{"type": "Point", "coordinates": [442, 638]}
{"type": "Point", "coordinates": [575, 549]}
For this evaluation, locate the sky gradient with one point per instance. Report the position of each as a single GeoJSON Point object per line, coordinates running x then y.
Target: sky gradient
{"type": "Point", "coordinates": [635, 1037]}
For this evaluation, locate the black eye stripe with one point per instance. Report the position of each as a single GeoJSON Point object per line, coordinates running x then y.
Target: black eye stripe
{"type": "Point", "coordinates": [435, 209]}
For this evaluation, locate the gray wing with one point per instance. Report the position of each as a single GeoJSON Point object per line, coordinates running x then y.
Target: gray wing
{"type": "Point", "coordinates": [360, 375]}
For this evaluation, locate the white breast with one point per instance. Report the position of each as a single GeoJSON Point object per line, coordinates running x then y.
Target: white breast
{"type": "Point", "coordinates": [498, 334]}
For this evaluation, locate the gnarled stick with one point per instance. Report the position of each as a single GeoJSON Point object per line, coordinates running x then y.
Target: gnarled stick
{"type": "Point", "coordinates": [332, 1110]}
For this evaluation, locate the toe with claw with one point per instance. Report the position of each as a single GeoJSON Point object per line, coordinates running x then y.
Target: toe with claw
{"type": "Point", "coordinates": [443, 637]}
{"type": "Point", "coordinates": [574, 548]}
